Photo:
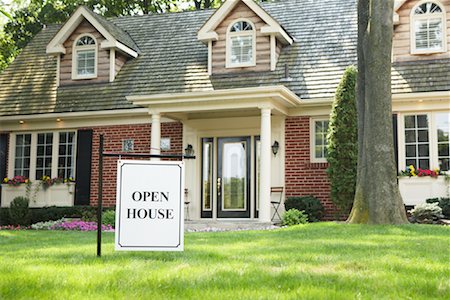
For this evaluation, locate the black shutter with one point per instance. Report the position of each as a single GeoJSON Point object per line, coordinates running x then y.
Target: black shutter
{"type": "Point", "coordinates": [84, 160]}
{"type": "Point", "coordinates": [395, 129]}
{"type": "Point", "coordinates": [3, 155]}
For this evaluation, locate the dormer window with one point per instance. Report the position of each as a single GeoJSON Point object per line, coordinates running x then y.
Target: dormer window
{"type": "Point", "coordinates": [84, 64]}
{"type": "Point", "coordinates": [241, 45]}
{"type": "Point", "coordinates": [428, 29]}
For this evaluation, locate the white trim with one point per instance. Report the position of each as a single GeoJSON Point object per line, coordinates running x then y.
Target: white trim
{"type": "Point", "coordinates": [55, 46]}
{"type": "Point", "coordinates": [209, 57]}
{"type": "Point", "coordinates": [312, 139]}
{"type": "Point", "coordinates": [75, 49]}
{"type": "Point", "coordinates": [119, 46]}
{"type": "Point", "coordinates": [58, 69]}
{"type": "Point", "coordinates": [230, 35]}
{"type": "Point", "coordinates": [112, 65]}
{"type": "Point", "coordinates": [207, 33]}
{"type": "Point", "coordinates": [273, 52]}
{"type": "Point", "coordinates": [413, 17]}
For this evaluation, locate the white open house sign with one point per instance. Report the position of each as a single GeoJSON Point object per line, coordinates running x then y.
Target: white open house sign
{"type": "Point", "coordinates": [149, 212]}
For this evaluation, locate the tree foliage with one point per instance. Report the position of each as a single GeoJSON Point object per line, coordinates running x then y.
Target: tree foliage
{"type": "Point", "coordinates": [26, 22]}
{"type": "Point", "coordinates": [343, 143]}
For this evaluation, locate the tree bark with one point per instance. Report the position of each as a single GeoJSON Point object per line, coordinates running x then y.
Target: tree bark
{"type": "Point", "coordinates": [377, 196]}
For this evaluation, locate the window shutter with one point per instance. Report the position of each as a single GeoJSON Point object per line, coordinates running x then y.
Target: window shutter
{"type": "Point", "coordinates": [83, 171]}
{"type": "Point", "coordinates": [3, 156]}
{"type": "Point", "coordinates": [395, 131]}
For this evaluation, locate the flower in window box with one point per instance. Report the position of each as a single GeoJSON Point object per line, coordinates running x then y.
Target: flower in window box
{"type": "Point", "coordinates": [412, 172]}
{"type": "Point", "coordinates": [16, 180]}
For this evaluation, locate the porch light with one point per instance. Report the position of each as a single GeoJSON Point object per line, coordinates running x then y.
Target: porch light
{"type": "Point", "coordinates": [189, 150]}
{"type": "Point", "coordinates": [275, 148]}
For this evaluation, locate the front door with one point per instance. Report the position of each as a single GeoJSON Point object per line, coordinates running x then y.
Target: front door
{"type": "Point", "coordinates": [233, 180]}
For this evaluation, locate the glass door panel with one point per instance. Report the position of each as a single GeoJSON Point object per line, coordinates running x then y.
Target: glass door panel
{"type": "Point", "coordinates": [233, 177]}
{"type": "Point", "coordinates": [207, 177]}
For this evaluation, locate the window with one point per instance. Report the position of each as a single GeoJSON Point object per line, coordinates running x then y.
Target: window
{"type": "Point", "coordinates": [417, 142]}
{"type": "Point", "coordinates": [66, 155]}
{"type": "Point", "coordinates": [425, 141]}
{"type": "Point", "coordinates": [22, 155]}
{"type": "Point", "coordinates": [84, 58]}
{"type": "Point", "coordinates": [241, 45]}
{"type": "Point", "coordinates": [319, 140]}
{"type": "Point", "coordinates": [44, 155]}
{"type": "Point", "coordinates": [428, 28]}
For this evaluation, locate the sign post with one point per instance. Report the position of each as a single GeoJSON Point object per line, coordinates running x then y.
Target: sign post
{"type": "Point", "coordinates": [149, 207]}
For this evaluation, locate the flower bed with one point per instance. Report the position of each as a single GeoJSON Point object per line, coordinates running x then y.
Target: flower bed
{"type": "Point", "coordinates": [79, 226]}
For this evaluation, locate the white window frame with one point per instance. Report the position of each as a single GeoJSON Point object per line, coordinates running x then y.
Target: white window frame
{"type": "Point", "coordinates": [432, 137]}
{"type": "Point", "coordinates": [230, 34]}
{"type": "Point", "coordinates": [312, 139]}
{"type": "Point", "coordinates": [414, 17]}
{"type": "Point", "coordinates": [75, 50]}
{"type": "Point", "coordinates": [33, 152]}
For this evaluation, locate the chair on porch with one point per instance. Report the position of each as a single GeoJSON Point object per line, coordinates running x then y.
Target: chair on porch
{"type": "Point", "coordinates": [276, 203]}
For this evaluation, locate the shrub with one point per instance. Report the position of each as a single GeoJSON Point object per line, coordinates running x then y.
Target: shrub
{"type": "Point", "coordinates": [342, 143]}
{"type": "Point", "coordinates": [19, 211]}
{"type": "Point", "coordinates": [309, 204]}
{"type": "Point", "coordinates": [109, 218]}
{"type": "Point", "coordinates": [443, 203]}
{"type": "Point", "coordinates": [47, 225]}
{"type": "Point", "coordinates": [50, 213]}
{"type": "Point", "coordinates": [294, 217]}
{"type": "Point", "coordinates": [427, 213]}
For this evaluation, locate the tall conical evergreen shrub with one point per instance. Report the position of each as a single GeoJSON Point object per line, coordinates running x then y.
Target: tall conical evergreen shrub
{"type": "Point", "coordinates": [343, 142]}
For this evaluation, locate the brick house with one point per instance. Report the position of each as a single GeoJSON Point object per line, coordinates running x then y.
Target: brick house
{"type": "Point", "coordinates": [229, 84]}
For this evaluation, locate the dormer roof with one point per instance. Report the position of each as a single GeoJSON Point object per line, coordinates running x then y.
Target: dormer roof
{"type": "Point", "coordinates": [116, 38]}
{"type": "Point", "coordinates": [207, 31]}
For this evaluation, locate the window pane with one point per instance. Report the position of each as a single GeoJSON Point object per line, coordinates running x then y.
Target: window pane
{"type": "Point", "coordinates": [443, 150]}
{"type": "Point", "coordinates": [65, 155]}
{"type": "Point", "coordinates": [241, 49]}
{"type": "Point", "coordinates": [22, 155]}
{"type": "Point", "coordinates": [410, 136]}
{"type": "Point", "coordinates": [411, 151]}
{"type": "Point", "coordinates": [443, 128]}
{"type": "Point", "coordinates": [410, 122]}
{"type": "Point", "coordinates": [424, 163]}
{"type": "Point", "coordinates": [410, 162]}
{"type": "Point", "coordinates": [423, 135]}
{"type": "Point", "coordinates": [442, 124]}
{"type": "Point", "coordinates": [44, 155]}
{"type": "Point", "coordinates": [423, 151]}
{"type": "Point", "coordinates": [444, 164]}
{"type": "Point", "coordinates": [85, 62]}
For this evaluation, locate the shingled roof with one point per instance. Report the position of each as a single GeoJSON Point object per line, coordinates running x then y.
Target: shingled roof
{"type": "Point", "coordinates": [172, 60]}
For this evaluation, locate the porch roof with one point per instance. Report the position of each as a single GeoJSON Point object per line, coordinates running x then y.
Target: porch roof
{"type": "Point", "coordinates": [279, 98]}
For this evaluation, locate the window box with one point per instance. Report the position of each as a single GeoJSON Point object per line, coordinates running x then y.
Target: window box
{"type": "Point", "coordinates": [415, 190]}
{"type": "Point", "coordinates": [55, 195]}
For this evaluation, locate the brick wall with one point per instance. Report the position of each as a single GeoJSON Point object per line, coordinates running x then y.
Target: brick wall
{"type": "Point", "coordinates": [113, 137]}
{"type": "Point", "coordinates": [303, 177]}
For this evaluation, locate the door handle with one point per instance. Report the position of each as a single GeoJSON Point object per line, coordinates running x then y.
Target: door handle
{"type": "Point", "coordinates": [219, 185]}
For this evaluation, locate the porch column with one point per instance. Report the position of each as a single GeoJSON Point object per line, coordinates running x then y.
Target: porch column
{"type": "Point", "coordinates": [265, 173]}
{"type": "Point", "coordinates": [155, 142]}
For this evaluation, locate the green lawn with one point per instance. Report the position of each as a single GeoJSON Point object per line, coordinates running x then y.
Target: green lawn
{"type": "Point", "coordinates": [314, 261]}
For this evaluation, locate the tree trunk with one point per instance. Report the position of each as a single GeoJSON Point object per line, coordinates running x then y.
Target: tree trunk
{"type": "Point", "coordinates": [377, 196]}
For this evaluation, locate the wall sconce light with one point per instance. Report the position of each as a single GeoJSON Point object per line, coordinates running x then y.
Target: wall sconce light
{"type": "Point", "coordinates": [189, 150]}
{"type": "Point", "coordinates": [275, 148]}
